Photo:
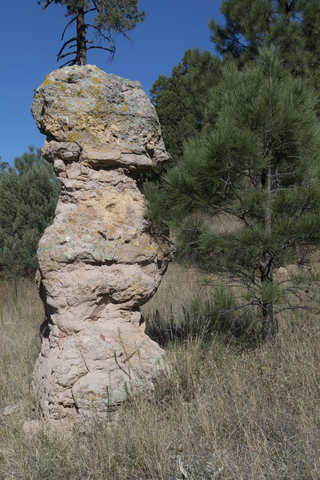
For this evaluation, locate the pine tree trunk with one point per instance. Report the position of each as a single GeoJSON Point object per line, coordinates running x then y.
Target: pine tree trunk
{"type": "Point", "coordinates": [267, 272]}
{"type": "Point", "coordinates": [268, 323]}
{"type": "Point", "coordinates": [81, 38]}
{"type": "Point", "coordinates": [15, 282]}
{"type": "Point", "coordinates": [268, 207]}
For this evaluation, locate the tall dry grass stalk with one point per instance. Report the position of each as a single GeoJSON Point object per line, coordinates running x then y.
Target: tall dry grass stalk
{"type": "Point", "coordinates": [217, 415]}
{"type": "Point", "coordinates": [19, 339]}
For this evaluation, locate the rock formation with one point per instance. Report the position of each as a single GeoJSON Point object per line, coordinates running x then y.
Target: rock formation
{"type": "Point", "coordinates": [98, 262]}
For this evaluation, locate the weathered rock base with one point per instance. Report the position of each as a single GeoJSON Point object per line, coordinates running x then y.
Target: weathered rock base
{"type": "Point", "coordinates": [98, 262]}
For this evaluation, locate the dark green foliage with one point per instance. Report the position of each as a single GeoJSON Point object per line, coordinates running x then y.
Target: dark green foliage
{"type": "Point", "coordinates": [204, 73]}
{"type": "Point", "coordinates": [292, 26]}
{"type": "Point", "coordinates": [112, 18]}
{"type": "Point", "coordinates": [255, 169]}
{"type": "Point", "coordinates": [28, 197]}
{"type": "Point", "coordinates": [177, 119]}
{"type": "Point", "coordinates": [3, 166]}
{"type": "Point", "coordinates": [219, 311]}
{"type": "Point", "coordinates": [181, 102]}
{"type": "Point", "coordinates": [223, 313]}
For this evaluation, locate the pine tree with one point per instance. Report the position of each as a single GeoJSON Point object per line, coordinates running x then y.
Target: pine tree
{"type": "Point", "coordinates": [203, 74]}
{"type": "Point", "coordinates": [3, 166]}
{"type": "Point", "coordinates": [257, 163]}
{"type": "Point", "coordinates": [291, 25]}
{"type": "Point", "coordinates": [112, 18]}
{"type": "Point", "coordinates": [28, 197]}
{"type": "Point", "coordinates": [170, 97]}
{"type": "Point", "coordinates": [180, 101]}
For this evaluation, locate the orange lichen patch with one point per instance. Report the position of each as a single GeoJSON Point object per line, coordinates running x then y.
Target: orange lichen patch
{"type": "Point", "coordinates": [56, 280]}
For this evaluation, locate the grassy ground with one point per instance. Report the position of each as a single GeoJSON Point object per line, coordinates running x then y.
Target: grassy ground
{"type": "Point", "coordinates": [220, 414]}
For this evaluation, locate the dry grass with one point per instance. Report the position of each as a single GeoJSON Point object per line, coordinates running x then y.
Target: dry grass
{"type": "Point", "coordinates": [218, 415]}
{"type": "Point", "coordinates": [166, 314]}
{"type": "Point", "coordinates": [19, 340]}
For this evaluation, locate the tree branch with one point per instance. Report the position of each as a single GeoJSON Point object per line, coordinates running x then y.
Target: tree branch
{"type": "Point", "coordinates": [70, 62]}
{"type": "Point", "coordinates": [96, 5]}
{"type": "Point", "coordinates": [64, 31]}
{"type": "Point", "coordinates": [64, 45]}
{"type": "Point", "coordinates": [284, 174]}
{"type": "Point", "coordinates": [283, 189]}
{"type": "Point", "coordinates": [102, 48]}
{"type": "Point", "coordinates": [247, 220]}
{"type": "Point", "coordinates": [234, 40]}
{"type": "Point", "coordinates": [241, 216]}
{"type": "Point", "coordinates": [218, 207]}
{"type": "Point", "coordinates": [108, 39]}
{"type": "Point", "coordinates": [290, 7]}
{"type": "Point", "coordinates": [249, 304]}
{"type": "Point", "coordinates": [297, 214]}
{"type": "Point", "coordinates": [66, 54]}
{"type": "Point", "coordinates": [45, 4]}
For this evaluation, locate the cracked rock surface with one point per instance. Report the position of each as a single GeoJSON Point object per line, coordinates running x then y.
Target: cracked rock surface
{"type": "Point", "coordinates": [98, 262]}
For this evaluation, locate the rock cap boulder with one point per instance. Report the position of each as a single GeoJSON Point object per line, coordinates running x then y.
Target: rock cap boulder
{"type": "Point", "coordinates": [109, 120]}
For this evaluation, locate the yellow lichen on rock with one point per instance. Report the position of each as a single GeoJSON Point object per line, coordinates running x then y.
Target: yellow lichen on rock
{"type": "Point", "coordinates": [47, 81]}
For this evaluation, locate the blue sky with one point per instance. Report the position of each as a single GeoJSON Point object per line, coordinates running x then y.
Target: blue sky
{"type": "Point", "coordinates": [30, 42]}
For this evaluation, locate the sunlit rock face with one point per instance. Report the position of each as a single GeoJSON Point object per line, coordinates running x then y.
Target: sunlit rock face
{"type": "Point", "coordinates": [98, 262]}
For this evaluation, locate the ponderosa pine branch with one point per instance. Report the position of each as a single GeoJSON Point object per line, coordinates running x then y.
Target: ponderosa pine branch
{"type": "Point", "coordinates": [45, 4]}
{"type": "Point", "coordinates": [253, 303]}
{"type": "Point", "coordinates": [296, 307]}
{"type": "Point", "coordinates": [284, 174]}
{"type": "Point", "coordinates": [290, 7]}
{"type": "Point", "coordinates": [74, 39]}
{"type": "Point", "coordinates": [69, 64]}
{"type": "Point", "coordinates": [297, 214]}
{"type": "Point", "coordinates": [95, 4]}
{"type": "Point", "coordinates": [103, 48]}
{"type": "Point", "coordinates": [241, 216]}
{"type": "Point", "coordinates": [233, 40]}
{"type": "Point", "coordinates": [66, 54]}
{"type": "Point", "coordinates": [69, 23]}
{"type": "Point", "coordinates": [108, 39]}
{"type": "Point", "coordinates": [247, 220]}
